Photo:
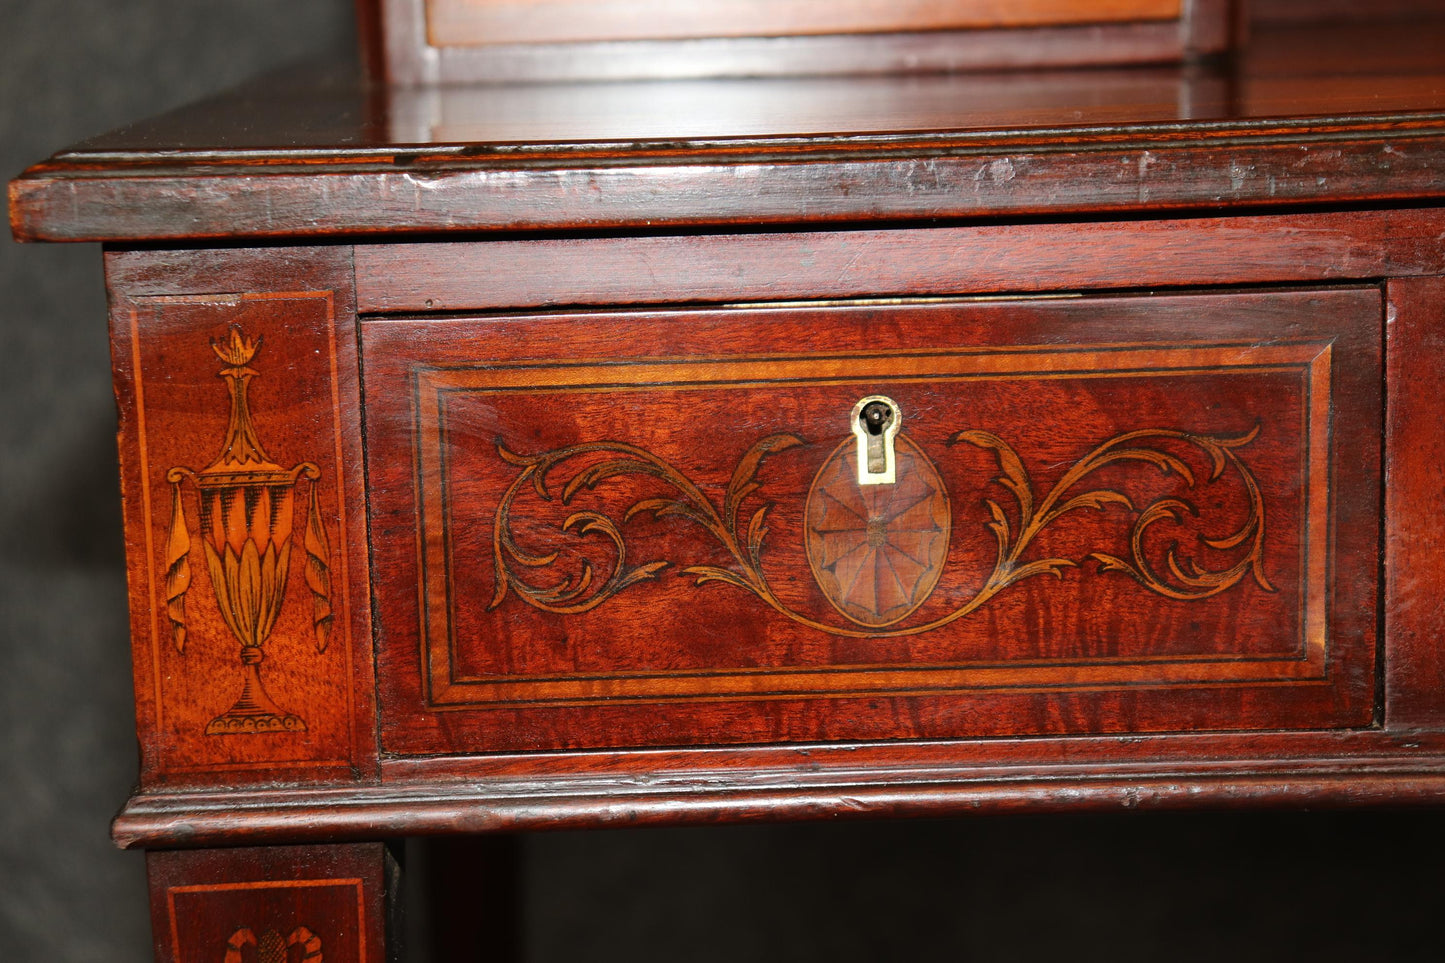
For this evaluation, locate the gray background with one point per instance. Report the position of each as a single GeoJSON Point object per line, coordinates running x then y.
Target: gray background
{"type": "Point", "coordinates": [1203, 886]}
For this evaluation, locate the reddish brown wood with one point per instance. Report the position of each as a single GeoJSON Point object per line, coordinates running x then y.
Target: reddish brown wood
{"type": "Point", "coordinates": [1358, 782]}
{"type": "Point", "coordinates": [315, 675]}
{"type": "Point", "coordinates": [409, 58]}
{"type": "Point", "coordinates": [1414, 555]}
{"type": "Point", "coordinates": [319, 112]}
{"type": "Point", "coordinates": [1033, 179]}
{"type": "Point", "coordinates": [1296, 11]}
{"type": "Point", "coordinates": [1030, 182]}
{"type": "Point", "coordinates": [1294, 58]}
{"type": "Point", "coordinates": [759, 107]}
{"type": "Point", "coordinates": [716, 663]}
{"type": "Point", "coordinates": [466, 43]}
{"type": "Point", "coordinates": [481, 22]}
{"type": "Point", "coordinates": [284, 903]}
{"type": "Point", "coordinates": [1214, 26]}
{"type": "Point", "coordinates": [1333, 136]}
{"type": "Point", "coordinates": [790, 56]}
{"type": "Point", "coordinates": [695, 786]}
{"type": "Point", "coordinates": [370, 41]}
{"type": "Point", "coordinates": [1312, 160]}
{"type": "Point", "coordinates": [1275, 249]}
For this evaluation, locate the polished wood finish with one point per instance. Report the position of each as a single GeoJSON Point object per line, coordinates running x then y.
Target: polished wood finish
{"type": "Point", "coordinates": [397, 354]}
{"type": "Point", "coordinates": [455, 41]}
{"type": "Point", "coordinates": [459, 404]}
{"type": "Point", "coordinates": [1343, 11]}
{"type": "Point", "coordinates": [1415, 320]}
{"type": "Point", "coordinates": [321, 112]}
{"type": "Point", "coordinates": [474, 22]}
{"type": "Point", "coordinates": [1278, 132]}
{"type": "Point", "coordinates": [371, 43]}
{"type": "Point", "coordinates": [1023, 177]}
{"type": "Point", "coordinates": [528, 791]}
{"type": "Point", "coordinates": [188, 577]}
{"type": "Point", "coordinates": [1014, 258]}
{"type": "Point", "coordinates": [272, 903]}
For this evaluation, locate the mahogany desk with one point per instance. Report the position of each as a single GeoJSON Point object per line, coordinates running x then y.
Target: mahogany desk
{"type": "Point", "coordinates": [491, 456]}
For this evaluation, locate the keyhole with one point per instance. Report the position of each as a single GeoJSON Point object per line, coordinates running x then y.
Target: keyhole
{"type": "Point", "coordinates": [876, 417]}
{"type": "Point", "coordinates": [875, 423]}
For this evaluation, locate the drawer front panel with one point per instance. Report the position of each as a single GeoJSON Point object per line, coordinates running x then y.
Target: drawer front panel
{"type": "Point", "coordinates": [1107, 515]}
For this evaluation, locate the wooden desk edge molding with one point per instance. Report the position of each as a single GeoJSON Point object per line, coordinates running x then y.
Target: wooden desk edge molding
{"type": "Point", "coordinates": [502, 458]}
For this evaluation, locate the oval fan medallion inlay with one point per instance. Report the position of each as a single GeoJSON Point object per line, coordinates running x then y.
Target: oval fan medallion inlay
{"type": "Point", "coordinates": [877, 551]}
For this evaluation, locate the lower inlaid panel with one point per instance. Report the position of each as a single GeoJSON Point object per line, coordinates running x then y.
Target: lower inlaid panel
{"type": "Point", "coordinates": [1087, 515]}
{"type": "Point", "coordinates": [288, 904]}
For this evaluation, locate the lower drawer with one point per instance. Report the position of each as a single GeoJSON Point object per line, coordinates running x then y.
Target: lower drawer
{"type": "Point", "coordinates": [1105, 515]}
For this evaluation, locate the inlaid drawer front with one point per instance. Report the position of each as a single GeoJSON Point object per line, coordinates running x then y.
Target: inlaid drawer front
{"type": "Point", "coordinates": [876, 521]}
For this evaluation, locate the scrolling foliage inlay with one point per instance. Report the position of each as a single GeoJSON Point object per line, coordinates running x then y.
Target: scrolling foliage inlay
{"type": "Point", "coordinates": [880, 543]}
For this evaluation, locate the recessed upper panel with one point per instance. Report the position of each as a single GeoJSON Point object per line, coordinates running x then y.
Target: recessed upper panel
{"type": "Point", "coordinates": [472, 22]}
{"type": "Point", "coordinates": [424, 41]}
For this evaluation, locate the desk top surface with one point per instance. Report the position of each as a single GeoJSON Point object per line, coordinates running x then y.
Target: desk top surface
{"type": "Point", "coordinates": [1303, 116]}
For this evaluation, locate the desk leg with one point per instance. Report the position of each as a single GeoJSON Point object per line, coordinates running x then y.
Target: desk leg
{"type": "Point", "coordinates": [272, 904]}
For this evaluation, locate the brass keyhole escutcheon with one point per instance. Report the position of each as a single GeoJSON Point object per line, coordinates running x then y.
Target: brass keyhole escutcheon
{"type": "Point", "coordinates": [875, 423]}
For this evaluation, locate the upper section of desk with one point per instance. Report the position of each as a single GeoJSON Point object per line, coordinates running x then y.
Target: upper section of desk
{"type": "Point", "coordinates": [1303, 117]}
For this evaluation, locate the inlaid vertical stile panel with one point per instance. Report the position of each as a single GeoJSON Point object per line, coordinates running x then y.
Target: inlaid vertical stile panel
{"type": "Point", "coordinates": [240, 451]}
{"type": "Point", "coordinates": [1415, 489]}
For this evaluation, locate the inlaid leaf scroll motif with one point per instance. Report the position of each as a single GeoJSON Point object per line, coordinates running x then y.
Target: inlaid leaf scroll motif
{"type": "Point", "coordinates": [247, 510]}
{"type": "Point", "coordinates": [876, 556]}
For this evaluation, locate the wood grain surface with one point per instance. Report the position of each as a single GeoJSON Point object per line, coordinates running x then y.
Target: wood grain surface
{"type": "Point", "coordinates": [186, 552]}
{"type": "Point", "coordinates": [471, 22]}
{"type": "Point", "coordinates": [294, 903]}
{"type": "Point", "coordinates": [531, 639]}
{"type": "Point", "coordinates": [305, 156]}
{"type": "Point", "coordinates": [524, 791]}
{"type": "Point", "coordinates": [454, 41]}
{"type": "Point", "coordinates": [1012, 258]}
{"type": "Point", "coordinates": [607, 336]}
{"type": "Point", "coordinates": [1415, 483]}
